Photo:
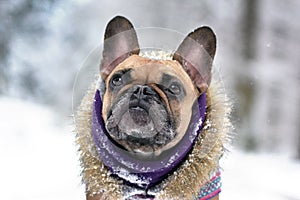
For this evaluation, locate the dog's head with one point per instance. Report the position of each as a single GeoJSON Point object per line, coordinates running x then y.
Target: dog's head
{"type": "Point", "coordinates": [147, 104]}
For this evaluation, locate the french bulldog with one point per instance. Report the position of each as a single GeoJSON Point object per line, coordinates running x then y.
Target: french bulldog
{"type": "Point", "coordinates": [147, 105]}
{"type": "Point", "coordinates": [141, 135]}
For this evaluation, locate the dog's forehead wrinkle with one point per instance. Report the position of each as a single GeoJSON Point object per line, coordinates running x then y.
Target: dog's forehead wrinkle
{"type": "Point", "coordinates": [124, 71]}
{"type": "Point", "coordinates": [152, 73]}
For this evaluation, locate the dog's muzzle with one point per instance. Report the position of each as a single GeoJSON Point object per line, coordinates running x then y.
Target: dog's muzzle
{"type": "Point", "coordinates": [139, 121]}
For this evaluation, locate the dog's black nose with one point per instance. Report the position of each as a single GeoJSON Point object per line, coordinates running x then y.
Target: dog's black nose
{"type": "Point", "coordinates": [141, 92]}
{"type": "Point", "coordinates": [143, 96]}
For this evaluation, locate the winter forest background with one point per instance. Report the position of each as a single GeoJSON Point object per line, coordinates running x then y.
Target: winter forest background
{"type": "Point", "coordinates": [44, 43]}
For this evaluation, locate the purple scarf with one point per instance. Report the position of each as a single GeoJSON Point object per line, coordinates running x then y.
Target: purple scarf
{"type": "Point", "coordinates": [135, 171]}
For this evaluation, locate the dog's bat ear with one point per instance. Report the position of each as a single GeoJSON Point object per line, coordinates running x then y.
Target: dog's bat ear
{"type": "Point", "coordinates": [196, 54]}
{"type": "Point", "coordinates": [120, 41]}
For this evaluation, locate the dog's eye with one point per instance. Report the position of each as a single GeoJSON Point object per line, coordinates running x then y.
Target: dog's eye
{"type": "Point", "coordinates": [117, 80]}
{"type": "Point", "coordinates": [175, 89]}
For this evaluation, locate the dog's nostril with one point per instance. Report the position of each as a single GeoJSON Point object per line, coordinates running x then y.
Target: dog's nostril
{"type": "Point", "coordinates": [143, 90]}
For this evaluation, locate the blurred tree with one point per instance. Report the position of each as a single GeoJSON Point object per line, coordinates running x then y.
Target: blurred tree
{"type": "Point", "coordinates": [298, 143]}
{"type": "Point", "coordinates": [20, 19]}
{"type": "Point", "coordinates": [4, 47]}
{"type": "Point", "coordinates": [245, 83]}
{"type": "Point", "coordinates": [249, 29]}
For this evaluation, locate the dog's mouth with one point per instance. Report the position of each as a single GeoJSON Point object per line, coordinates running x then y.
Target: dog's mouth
{"type": "Point", "coordinates": [137, 122]}
{"type": "Point", "coordinates": [139, 126]}
{"type": "Point", "coordinates": [139, 116]}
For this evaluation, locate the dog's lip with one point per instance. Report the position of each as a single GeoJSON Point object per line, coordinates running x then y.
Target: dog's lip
{"type": "Point", "coordinates": [132, 107]}
{"type": "Point", "coordinates": [138, 108]}
{"type": "Point", "coordinates": [135, 104]}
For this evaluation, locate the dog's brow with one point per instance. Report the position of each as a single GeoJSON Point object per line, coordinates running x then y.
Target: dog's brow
{"type": "Point", "coordinates": [123, 71]}
{"type": "Point", "coordinates": [166, 78]}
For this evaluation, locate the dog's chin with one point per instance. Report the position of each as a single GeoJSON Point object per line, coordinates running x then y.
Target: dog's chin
{"type": "Point", "coordinates": [140, 131]}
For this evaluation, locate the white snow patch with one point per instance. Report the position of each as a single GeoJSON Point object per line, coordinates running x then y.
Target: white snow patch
{"type": "Point", "coordinates": [38, 158]}
{"type": "Point", "coordinates": [251, 176]}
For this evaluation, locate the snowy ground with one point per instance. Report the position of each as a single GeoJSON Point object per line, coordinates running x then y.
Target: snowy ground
{"type": "Point", "coordinates": [39, 162]}
{"type": "Point", "coordinates": [260, 177]}
{"type": "Point", "coordinates": [38, 157]}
